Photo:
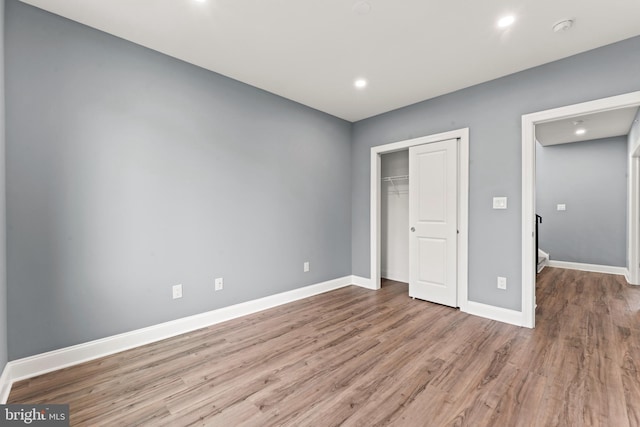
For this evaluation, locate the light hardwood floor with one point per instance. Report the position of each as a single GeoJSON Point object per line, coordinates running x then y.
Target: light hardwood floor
{"type": "Point", "coordinates": [359, 357]}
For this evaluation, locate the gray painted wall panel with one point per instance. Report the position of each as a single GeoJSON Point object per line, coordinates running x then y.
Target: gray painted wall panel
{"type": "Point", "coordinates": [129, 172]}
{"type": "Point", "coordinates": [590, 178]}
{"type": "Point", "coordinates": [493, 112]}
{"type": "Point", "coordinates": [3, 222]}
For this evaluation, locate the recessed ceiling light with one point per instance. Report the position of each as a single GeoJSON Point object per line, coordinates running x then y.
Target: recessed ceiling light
{"type": "Point", "coordinates": [506, 21]}
{"type": "Point", "coordinates": [581, 131]}
{"type": "Point", "coordinates": [562, 26]}
{"type": "Point", "coordinates": [360, 83]}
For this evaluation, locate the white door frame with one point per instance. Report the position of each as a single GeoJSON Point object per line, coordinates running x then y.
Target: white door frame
{"type": "Point", "coordinates": [528, 192]}
{"type": "Point", "coordinates": [462, 135]}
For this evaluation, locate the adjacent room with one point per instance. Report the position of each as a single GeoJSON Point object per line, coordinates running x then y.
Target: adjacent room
{"type": "Point", "coordinates": [302, 213]}
{"type": "Point", "coordinates": [582, 191]}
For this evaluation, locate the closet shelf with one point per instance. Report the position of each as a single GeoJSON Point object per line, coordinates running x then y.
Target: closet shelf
{"type": "Point", "coordinates": [393, 179]}
{"type": "Point", "coordinates": [396, 178]}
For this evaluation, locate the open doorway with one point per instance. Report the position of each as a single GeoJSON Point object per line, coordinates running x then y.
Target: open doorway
{"type": "Point", "coordinates": [582, 191]}
{"type": "Point", "coordinates": [394, 216]}
{"type": "Point", "coordinates": [570, 117]}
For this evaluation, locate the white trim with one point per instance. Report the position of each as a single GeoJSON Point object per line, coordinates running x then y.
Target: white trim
{"type": "Point", "coordinates": [395, 276]}
{"type": "Point", "coordinates": [494, 313]}
{"type": "Point", "coordinates": [633, 219]}
{"type": "Point", "coordinates": [463, 219]}
{"type": "Point", "coordinates": [462, 135]}
{"type": "Point", "coordinates": [528, 227]}
{"type": "Point", "coordinates": [595, 268]}
{"type": "Point", "coordinates": [5, 384]}
{"type": "Point", "coordinates": [374, 211]}
{"type": "Point", "coordinates": [362, 282]}
{"type": "Point", "coordinates": [528, 187]}
{"type": "Point", "coordinates": [51, 361]}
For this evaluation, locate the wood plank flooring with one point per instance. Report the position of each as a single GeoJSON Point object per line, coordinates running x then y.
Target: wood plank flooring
{"type": "Point", "coordinates": [356, 357]}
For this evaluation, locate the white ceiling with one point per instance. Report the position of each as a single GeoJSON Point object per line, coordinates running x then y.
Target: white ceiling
{"type": "Point", "coordinates": [311, 51]}
{"type": "Point", "coordinates": [599, 125]}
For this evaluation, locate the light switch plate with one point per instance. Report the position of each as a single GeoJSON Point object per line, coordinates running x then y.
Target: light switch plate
{"type": "Point", "coordinates": [176, 291]}
{"type": "Point", "coordinates": [499, 203]}
{"type": "Point", "coordinates": [562, 207]}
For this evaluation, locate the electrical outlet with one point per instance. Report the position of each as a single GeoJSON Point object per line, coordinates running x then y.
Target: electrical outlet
{"type": "Point", "coordinates": [502, 282]}
{"type": "Point", "coordinates": [219, 284]}
{"type": "Point", "coordinates": [305, 267]}
{"type": "Point", "coordinates": [177, 291]}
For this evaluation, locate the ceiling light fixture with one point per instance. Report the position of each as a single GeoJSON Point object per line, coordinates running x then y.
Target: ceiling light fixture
{"type": "Point", "coordinates": [581, 131]}
{"type": "Point", "coordinates": [562, 26]}
{"type": "Point", "coordinates": [360, 83]}
{"type": "Point", "coordinates": [506, 21]}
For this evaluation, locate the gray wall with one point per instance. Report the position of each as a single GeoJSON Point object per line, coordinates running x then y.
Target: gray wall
{"type": "Point", "coordinates": [3, 240]}
{"type": "Point", "coordinates": [129, 171]}
{"type": "Point", "coordinates": [590, 178]}
{"type": "Point", "coordinates": [493, 112]}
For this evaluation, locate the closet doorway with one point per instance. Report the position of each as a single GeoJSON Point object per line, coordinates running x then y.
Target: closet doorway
{"type": "Point", "coordinates": [447, 273]}
{"type": "Point", "coordinates": [394, 216]}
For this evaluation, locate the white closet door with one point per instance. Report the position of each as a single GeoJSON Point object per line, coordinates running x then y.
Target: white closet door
{"type": "Point", "coordinates": [433, 216]}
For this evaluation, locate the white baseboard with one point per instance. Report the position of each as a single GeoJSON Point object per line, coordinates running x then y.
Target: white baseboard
{"type": "Point", "coordinates": [39, 364]}
{"type": "Point", "coordinates": [627, 277]}
{"type": "Point", "coordinates": [494, 313]}
{"type": "Point", "coordinates": [394, 276]}
{"type": "Point", "coordinates": [5, 384]}
{"type": "Point", "coordinates": [28, 367]}
{"type": "Point", "coordinates": [362, 282]}
{"type": "Point", "coordinates": [595, 268]}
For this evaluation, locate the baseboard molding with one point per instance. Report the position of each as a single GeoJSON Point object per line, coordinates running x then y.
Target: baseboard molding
{"type": "Point", "coordinates": [494, 313]}
{"type": "Point", "coordinates": [595, 268]}
{"type": "Point", "coordinates": [394, 276]}
{"type": "Point", "coordinates": [5, 384]}
{"type": "Point", "coordinates": [627, 276]}
{"type": "Point", "coordinates": [32, 366]}
{"type": "Point", "coordinates": [362, 282]}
